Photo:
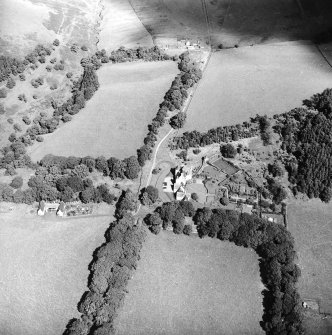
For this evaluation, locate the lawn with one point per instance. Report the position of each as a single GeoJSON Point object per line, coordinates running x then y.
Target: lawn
{"type": "Point", "coordinates": [44, 268]}
{"type": "Point", "coordinates": [186, 285]}
{"type": "Point", "coordinates": [114, 122]}
{"type": "Point", "coordinates": [265, 79]}
{"type": "Point", "coordinates": [310, 223]}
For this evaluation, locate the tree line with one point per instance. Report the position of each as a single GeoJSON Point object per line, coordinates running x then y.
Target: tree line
{"type": "Point", "coordinates": [110, 270]}
{"type": "Point", "coordinates": [173, 100]}
{"type": "Point", "coordinates": [306, 136]}
{"type": "Point", "coordinates": [195, 138]}
{"type": "Point", "coordinates": [272, 242]}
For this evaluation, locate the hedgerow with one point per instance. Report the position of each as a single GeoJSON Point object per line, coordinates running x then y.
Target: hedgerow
{"type": "Point", "coordinates": [272, 242]}
{"type": "Point", "coordinates": [110, 271]}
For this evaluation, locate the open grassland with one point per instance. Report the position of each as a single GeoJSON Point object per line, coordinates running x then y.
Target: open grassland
{"type": "Point", "coordinates": [186, 285]}
{"type": "Point", "coordinates": [44, 268]}
{"type": "Point", "coordinates": [311, 225]}
{"type": "Point", "coordinates": [267, 79]}
{"type": "Point", "coordinates": [120, 26]}
{"type": "Point", "coordinates": [114, 122]}
{"type": "Point", "coordinates": [25, 23]}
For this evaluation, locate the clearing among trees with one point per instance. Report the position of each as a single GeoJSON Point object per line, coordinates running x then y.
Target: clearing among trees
{"type": "Point", "coordinates": [187, 285]}
{"type": "Point", "coordinates": [266, 79]}
{"type": "Point", "coordinates": [114, 122]}
{"type": "Point", "coordinates": [44, 268]}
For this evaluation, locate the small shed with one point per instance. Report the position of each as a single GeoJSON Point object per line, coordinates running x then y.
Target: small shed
{"type": "Point", "coordinates": [61, 209]}
{"type": "Point", "coordinates": [41, 208]}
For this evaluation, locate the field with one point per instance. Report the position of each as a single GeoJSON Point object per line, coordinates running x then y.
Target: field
{"type": "Point", "coordinates": [24, 24]}
{"type": "Point", "coordinates": [241, 22]}
{"type": "Point", "coordinates": [265, 79]}
{"type": "Point", "coordinates": [114, 122]}
{"type": "Point", "coordinates": [120, 26]}
{"type": "Point", "coordinates": [311, 225]}
{"type": "Point", "coordinates": [186, 285]}
{"type": "Point", "coordinates": [44, 269]}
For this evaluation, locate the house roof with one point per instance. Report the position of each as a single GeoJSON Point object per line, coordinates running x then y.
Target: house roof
{"type": "Point", "coordinates": [61, 206]}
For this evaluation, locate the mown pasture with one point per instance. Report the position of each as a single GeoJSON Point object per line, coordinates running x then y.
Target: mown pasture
{"type": "Point", "coordinates": [266, 79]}
{"type": "Point", "coordinates": [44, 268]}
{"type": "Point", "coordinates": [310, 223]}
{"type": "Point", "coordinates": [186, 285]}
{"type": "Point", "coordinates": [114, 122]}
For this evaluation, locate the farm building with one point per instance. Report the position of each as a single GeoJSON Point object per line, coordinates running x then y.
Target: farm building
{"type": "Point", "coordinates": [47, 207]}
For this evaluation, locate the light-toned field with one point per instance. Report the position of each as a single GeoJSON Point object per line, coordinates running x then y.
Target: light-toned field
{"type": "Point", "coordinates": [114, 122]}
{"type": "Point", "coordinates": [186, 285]}
{"type": "Point", "coordinates": [120, 26]}
{"type": "Point", "coordinates": [25, 23]}
{"type": "Point", "coordinates": [44, 269]}
{"type": "Point", "coordinates": [310, 223]}
{"type": "Point", "coordinates": [266, 79]}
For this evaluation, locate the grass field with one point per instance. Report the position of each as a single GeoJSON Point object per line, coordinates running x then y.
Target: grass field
{"type": "Point", "coordinates": [311, 225]}
{"type": "Point", "coordinates": [44, 269]}
{"type": "Point", "coordinates": [120, 26]}
{"type": "Point", "coordinates": [186, 285]}
{"type": "Point", "coordinates": [114, 122]}
{"type": "Point", "coordinates": [266, 79]}
{"type": "Point", "coordinates": [25, 23]}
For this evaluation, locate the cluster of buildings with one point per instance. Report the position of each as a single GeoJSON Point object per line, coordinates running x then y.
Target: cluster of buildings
{"type": "Point", "coordinates": [61, 209]}
{"type": "Point", "coordinates": [178, 43]}
{"type": "Point", "coordinates": [57, 207]}
{"type": "Point", "coordinates": [176, 183]}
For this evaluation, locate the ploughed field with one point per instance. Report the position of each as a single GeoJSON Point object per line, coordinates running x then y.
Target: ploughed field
{"type": "Point", "coordinates": [186, 285]}
{"type": "Point", "coordinates": [231, 22]}
{"type": "Point", "coordinates": [114, 122]}
{"type": "Point", "coordinates": [44, 269]}
{"type": "Point", "coordinates": [266, 79]}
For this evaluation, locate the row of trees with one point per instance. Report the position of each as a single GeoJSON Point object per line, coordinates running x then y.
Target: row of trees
{"type": "Point", "coordinates": [112, 167]}
{"type": "Point", "coordinates": [171, 214]}
{"type": "Point", "coordinates": [275, 245]}
{"type": "Point", "coordinates": [54, 183]}
{"type": "Point", "coordinates": [272, 242]}
{"type": "Point", "coordinates": [110, 271]}
{"type": "Point", "coordinates": [195, 139]}
{"type": "Point", "coordinates": [129, 55]}
{"type": "Point", "coordinates": [306, 136]}
{"type": "Point", "coordinates": [174, 99]}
